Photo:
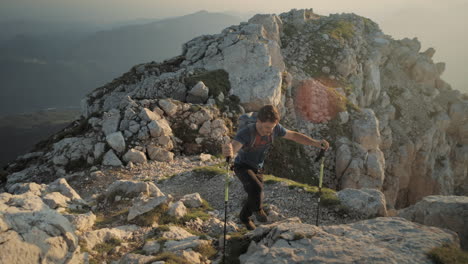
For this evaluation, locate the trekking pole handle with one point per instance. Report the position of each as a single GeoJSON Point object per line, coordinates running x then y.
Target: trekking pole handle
{"type": "Point", "coordinates": [320, 155]}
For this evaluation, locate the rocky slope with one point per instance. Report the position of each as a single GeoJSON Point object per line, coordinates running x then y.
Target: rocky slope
{"type": "Point", "coordinates": [397, 133]}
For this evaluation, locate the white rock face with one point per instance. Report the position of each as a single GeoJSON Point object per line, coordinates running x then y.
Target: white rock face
{"type": "Point", "coordinates": [366, 130]}
{"type": "Point", "coordinates": [368, 202]}
{"type": "Point", "coordinates": [449, 212]}
{"type": "Point", "coordinates": [116, 141]}
{"type": "Point", "coordinates": [30, 231]}
{"type": "Point", "coordinates": [380, 240]}
{"type": "Point", "coordinates": [251, 56]}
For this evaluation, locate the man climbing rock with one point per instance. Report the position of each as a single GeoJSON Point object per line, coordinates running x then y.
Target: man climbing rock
{"type": "Point", "coordinates": [251, 144]}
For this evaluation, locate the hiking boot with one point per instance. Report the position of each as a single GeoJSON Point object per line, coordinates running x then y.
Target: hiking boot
{"type": "Point", "coordinates": [249, 224]}
{"type": "Point", "coordinates": [261, 216]}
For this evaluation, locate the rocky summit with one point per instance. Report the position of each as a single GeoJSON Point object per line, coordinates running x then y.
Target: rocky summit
{"type": "Point", "coordinates": [138, 178]}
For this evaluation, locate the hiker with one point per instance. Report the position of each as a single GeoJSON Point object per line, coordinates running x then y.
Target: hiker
{"type": "Point", "coordinates": [251, 144]}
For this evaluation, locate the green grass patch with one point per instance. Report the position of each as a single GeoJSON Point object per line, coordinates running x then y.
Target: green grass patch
{"type": "Point", "coordinates": [448, 254]}
{"type": "Point", "coordinates": [170, 258]}
{"type": "Point", "coordinates": [236, 245]}
{"type": "Point", "coordinates": [157, 215]}
{"type": "Point", "coordinates": [76, 211]}
{"type": "Point", "coordinates": [210, 171]}
{"type": "Point", "coordinates": [199, 212]}
{"type": "Point", "coordinates": [206, 249]}
{"type": "Point", "coordinates": [107, 246]}
{"type": "Point", "coordinates": [328, 197]}
{"type": "Point", "coordinates": [339, 30]}
{"type": "Point", "coordinates": [106, 220]}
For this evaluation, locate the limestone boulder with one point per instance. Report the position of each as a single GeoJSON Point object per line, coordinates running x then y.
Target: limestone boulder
{"type": "Point", "coordinates": [368, 202]}
{"type": "Point", "coordinates": [110, 159]}
{"type": "Point", "coordinates": [449, 212]}
{"type": "Point", "coordinates": [380, 240]}
{"type": "Point", "coordinates": [116, 141]}
{"type": "Point", "coordinates": [135, 156]}
{"type": "Point", "coordinates": [31, 232]}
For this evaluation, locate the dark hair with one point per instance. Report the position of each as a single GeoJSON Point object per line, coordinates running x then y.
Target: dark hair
{"type": "Point", "coordinates": [268, 113]}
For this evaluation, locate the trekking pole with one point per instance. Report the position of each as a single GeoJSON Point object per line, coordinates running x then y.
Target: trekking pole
{"type": "Point", "coordinates": [321, 157]}
{"type": "Point", "coordinates": [226, 197]}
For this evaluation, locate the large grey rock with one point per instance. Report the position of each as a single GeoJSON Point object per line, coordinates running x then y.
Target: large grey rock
{"type": "Point", "coordinates": [198, 94]}
{"type": "Point", "coordinates": [134, 156]}
{"type": "Point", "coordinates": [159, 128]}
{"type": "Point", "coordinates": [148, 115]}
{"type": "Point", "coordinates": [116, 141]}
{"type": "Point", "coordinates": [20, 176]}
{"type": "Point", "coordinates": [151, 247]}
{"type": "Point", "coordinates": [61, 185]}
{"type": "Point", "coordinates": [368, 202]}
{"type": "Point", "coordinates": [92, 238]}
{"type": "Point", "coordinates": [366, 130]}
{"type": "Point", "coordinates": [191, 242]}
{"type": "Point", "coordinates": [71, 149]}
{"type": "Point", "coordinates": [159, 154]}
{"type": "Point", "coordinates": [143, 204]}
{"type": "Point", "coordinates": [133, 189]}
{"type": "Point", "coordinates": [111, 121]}
{"type": "Point", "coordinates": [55, 200]}
{"type": "Point", "coordinates": [20, 188]}
{"type": "Point", "coordinates": [132, 258]}
{"type": "Point", "coordinates": [110, 159]}
{"type": "Point", "coordinates": [192, 200]}
{"type": "Point", "coordinates": [168, 106]}
{"type": "Point", "coordinates": [31, 232]}
{"type": "Point", "coordinates": [449, 212]}
{"type": "Point", "coordinates": [178, 233]}
{"type": "Point", "coordinates": [82, 222]}
{"type": "Point", "coordinates": [178, 209]}
{"type": "Point", "coordinates": [380, 240]}
{"type": "Point", "coordinates": [99, 149]}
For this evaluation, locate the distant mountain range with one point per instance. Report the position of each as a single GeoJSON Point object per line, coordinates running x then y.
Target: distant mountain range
{"type": "Point", "coordinates": [41, 69]}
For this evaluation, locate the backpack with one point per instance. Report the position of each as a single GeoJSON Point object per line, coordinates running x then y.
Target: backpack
{"type": "Point", "coordinates": [249, 120]}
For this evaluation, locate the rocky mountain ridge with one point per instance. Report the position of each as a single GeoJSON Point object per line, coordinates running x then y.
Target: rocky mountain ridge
{"type": "Point", "coordinates": [398, 134]}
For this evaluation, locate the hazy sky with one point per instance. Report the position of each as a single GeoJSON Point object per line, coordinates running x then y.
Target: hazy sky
{"type": "Point", "coordinates": [439, 24]}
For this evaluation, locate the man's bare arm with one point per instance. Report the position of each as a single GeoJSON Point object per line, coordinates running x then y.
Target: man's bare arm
{"type": "Point", "coordinates": [229, 150]}
{"type": "Point", "coordinates": [305, 140]}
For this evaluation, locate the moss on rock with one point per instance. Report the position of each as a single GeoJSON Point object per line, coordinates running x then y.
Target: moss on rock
{"type": "Point", "coordinates": [217, 81]}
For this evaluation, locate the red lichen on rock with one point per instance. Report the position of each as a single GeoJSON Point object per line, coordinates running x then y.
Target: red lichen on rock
{"type": "Point", "coordinates": [318, 103]}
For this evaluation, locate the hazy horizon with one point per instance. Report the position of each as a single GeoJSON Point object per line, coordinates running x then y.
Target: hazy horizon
{"type": "Point", "coordinates": [436, 24]}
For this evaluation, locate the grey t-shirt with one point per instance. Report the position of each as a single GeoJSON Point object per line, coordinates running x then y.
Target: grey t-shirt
{"type": "Point", "coordinates": [255, 156]}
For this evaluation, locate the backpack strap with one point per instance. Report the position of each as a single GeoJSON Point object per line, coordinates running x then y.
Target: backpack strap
{"type": "Point", "coordinates": [253, 136]}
